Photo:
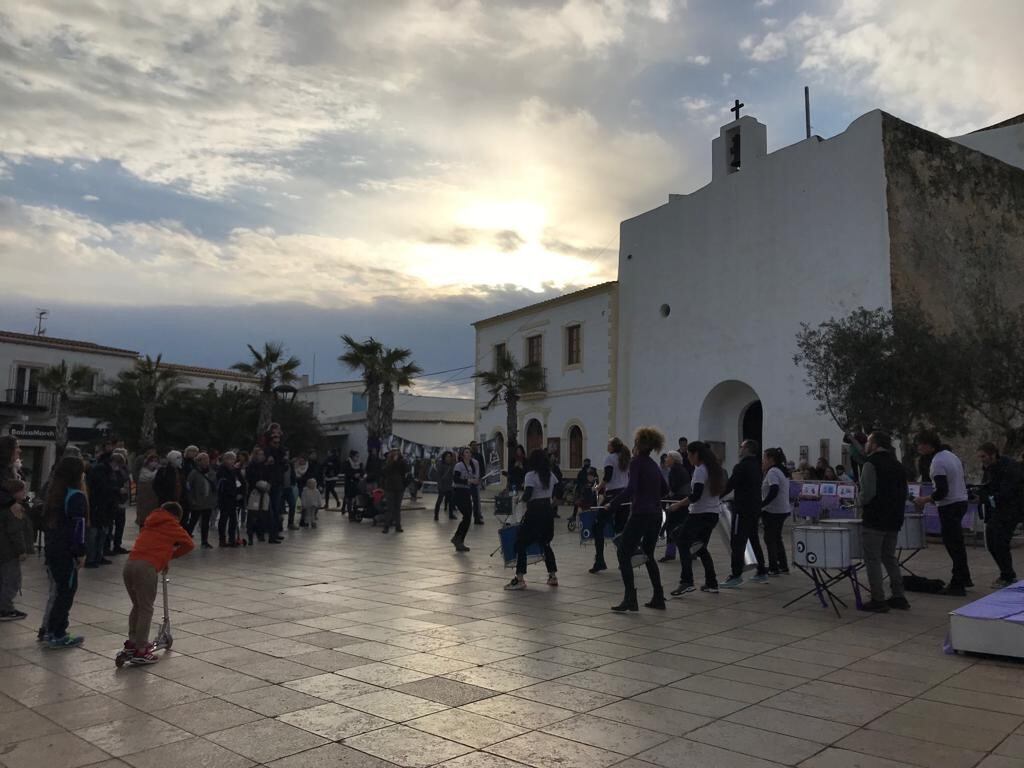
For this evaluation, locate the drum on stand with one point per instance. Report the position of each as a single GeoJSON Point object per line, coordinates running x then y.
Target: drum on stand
{"type": "Point", "coordinates": [821, 546]}
{"type": "Point", "coordinates": [912, 534]}
{"type": "Point", "coordinates": [856, 529]}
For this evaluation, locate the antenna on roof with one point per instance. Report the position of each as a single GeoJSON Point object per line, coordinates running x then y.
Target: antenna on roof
{"type": "Point", "coordinates": [41, 315]}
{"type": "Point", "coordinates": [807, 110]}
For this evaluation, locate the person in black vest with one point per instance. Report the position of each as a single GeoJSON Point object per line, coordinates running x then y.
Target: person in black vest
{"type": "Point", "coordinates": [1002, 493]}
{"type": "Point", "coordinates": [883, 500]}
{"type": "Point", "coordinates": [745, 485]}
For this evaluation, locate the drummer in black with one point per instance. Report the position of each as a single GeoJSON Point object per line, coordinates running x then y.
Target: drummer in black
{"type": "Point", "coordinates": [883, 500]}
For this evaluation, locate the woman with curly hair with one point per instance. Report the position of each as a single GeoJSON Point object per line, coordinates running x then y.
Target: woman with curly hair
{"type": "Point", "coordinates": [644, 491]}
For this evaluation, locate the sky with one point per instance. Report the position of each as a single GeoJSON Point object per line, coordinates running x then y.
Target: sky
{"type": "Point", "coordinates": [185, 177]}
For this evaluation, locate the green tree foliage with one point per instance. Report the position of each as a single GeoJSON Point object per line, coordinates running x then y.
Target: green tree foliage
{"type": "Point", "coordinates": [384, 371]}
{"type": "Point", "coordinates": [272, 369]}
{"type": "Point", "coordinates": [65, 382]}
{"type": "Point", "coordinates": [882, 369]}
{"type": "Point", "coordinates": [131, 402]}
{"type": "Point", "coordinates": [507, 383]}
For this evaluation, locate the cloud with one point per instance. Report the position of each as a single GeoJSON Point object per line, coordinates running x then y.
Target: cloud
{"type": "Point", "coordinates": [771, 47]}
{"type": "Point", "coordinates": [699, 60]}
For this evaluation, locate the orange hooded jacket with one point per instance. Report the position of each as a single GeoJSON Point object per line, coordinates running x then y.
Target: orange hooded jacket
{"type": "Point", "coordinates": [161, 539]}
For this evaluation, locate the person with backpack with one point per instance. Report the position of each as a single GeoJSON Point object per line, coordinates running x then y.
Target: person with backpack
{"type": "Point", "coordinates": [67, 514]}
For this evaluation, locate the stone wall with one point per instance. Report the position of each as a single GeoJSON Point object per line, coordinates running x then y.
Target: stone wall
{"type": "Point", "coordinates": [956, 222]}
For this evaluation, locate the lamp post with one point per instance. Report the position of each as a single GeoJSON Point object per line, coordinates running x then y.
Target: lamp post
{"type": "Point", "coordinates": [285, 393]}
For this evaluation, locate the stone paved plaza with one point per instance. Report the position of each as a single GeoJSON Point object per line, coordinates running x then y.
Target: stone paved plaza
{"type": "Point", "coordinates": [344, 647]}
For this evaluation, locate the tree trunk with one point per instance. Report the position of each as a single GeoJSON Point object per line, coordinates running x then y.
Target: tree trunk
{"type": "Point", "coordinates": [266, 413]}
{"type": "Point", "coordinates": [512, 427]}
{"type": "Point", "coordinates": [147, 435]}
{"type": "Point", "coordinates": [387, 410]}
{"type": "Point", "coordinates": [373, 434]}
{"type": "Point", "coordinates": [60, 436]}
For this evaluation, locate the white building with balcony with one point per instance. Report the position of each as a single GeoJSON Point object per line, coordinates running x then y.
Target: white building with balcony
{"type": "Point", "coordinates": [26, 408]}
{"type": "Point", "coordinates": [573, 338]}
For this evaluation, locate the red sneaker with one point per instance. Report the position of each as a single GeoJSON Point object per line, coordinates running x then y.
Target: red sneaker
{"type": "Point", "coordinates": [143, 656]}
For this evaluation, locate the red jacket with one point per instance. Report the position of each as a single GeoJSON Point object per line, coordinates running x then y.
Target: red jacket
{"type": "Point", "coordinates": [161, 539]}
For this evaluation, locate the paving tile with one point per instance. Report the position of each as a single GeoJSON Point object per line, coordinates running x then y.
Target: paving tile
{"type": "Point", "coordinates": [999, 761]}
{"type": "Point", "coordinates": [941, 732]}
{"type": "Point", "coordinates": [407, 747]}
{"type": "Point", "coordinates": [333, 721]}
{"type": "Point", "coordinates": [840, 758]}
{"type": "Point", "coordinates": [330, 756]}
{"type": "Point", "coordinates": [467, 728]}
{"type": "Point", "coordinates": [482, 760]}
{"type": "Point", "coordinates": [521, 712]}
{"type": "Point", "coordinates": [992, 702]}
{"type": "Point", "coordinates": [841, 703]}
{"type": "Point", "coordinates": [624, 738]}
{"type": "Point", "coordinates": [1013, 746]}
{"type": "Point", "coordinates": [775, 747]}
{"type": "Point", "coordinates": [545, 751]}
{"type": "Point", "coordinates": [124, 737]}
{"type": "Point", "coordinates": [655, 718]}
{"type": "Point", "coordinates": [273, 700]}
{"type": "Point", "coordinates": [331, 687]}
{"type": "Point", "coordinates": [23, 724]}
{"type": "Point", "coordinates": [566, 696]}
{"type": "Point", "coordinates": [266, 740]}
{"type": "Point", "coordinates": [683, 752]}
{"type": "Point", "coordinates": [727, 689]}
{"type": "Point", "coordinates": [206, 716]}
{"type": "Point", "coordinates": [914, 751]}
{"type": "Point", "coordinates": [792, 724]}
{"type": "Point", "coordinates": [961, 715]}
{"type": "Point", "coordinates": [383, 675]}
{"type": "Point", "coordinates": [54, 750]}
{"type": "Point", "coordinates": [649, 673]}
{"type": "Point", "coordinates": [614, 685]}
{"type": "Point", "coordinates": [690, 701]}
{"type": "Point", "coordinates": [444, 691]}
{"type": "Point", "coordinates": [494, 679]}
{"type": "Point", "coordinates": [191, 753]}
{"type": "Point", "coordinates": [394, 705]}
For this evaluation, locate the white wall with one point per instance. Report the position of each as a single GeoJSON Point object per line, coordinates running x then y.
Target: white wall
{"type": "Point", "coordinates": [796, 237]}
{"type": "Point", "coordinates": [1006, 144]}
{"type": "Point", "coordinates": [575, 395]}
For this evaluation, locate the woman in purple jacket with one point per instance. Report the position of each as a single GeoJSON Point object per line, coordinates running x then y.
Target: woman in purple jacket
{"type": "Point", "coordinates": [644, 492]}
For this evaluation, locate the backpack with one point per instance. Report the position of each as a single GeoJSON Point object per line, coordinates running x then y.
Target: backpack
{"type": "Point", "coordinates": [921, 584]}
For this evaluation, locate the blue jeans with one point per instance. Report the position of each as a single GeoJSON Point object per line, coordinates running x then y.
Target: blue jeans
{"type": "Point", "coordinates": [95, 540]}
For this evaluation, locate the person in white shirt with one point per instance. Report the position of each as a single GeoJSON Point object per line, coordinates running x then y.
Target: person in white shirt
{"type": "Point", "coordinates": [950, 496]}
{"type": "Point", "coordinates": [465, 477]}
{"type": "Point", "coordinates": [538, 524]}
{"type": "Point", "coordinates": [613, 482]}
{"type": "Point", "coordinates": [706, 488]}
{"type": "Point", "coordinates": [775, 508]}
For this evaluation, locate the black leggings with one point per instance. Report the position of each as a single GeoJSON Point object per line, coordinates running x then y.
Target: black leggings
{"type": "Point", "coordinates": [443, 497]}
{"type": "Point", "coordinates": [602, 518]}
{"type": "Point", "coordinates": [696, 531]}
{"type": "Point", "coordinates": [538, 526]}
{"type": "Point", "coordinates": [642, 531]}
{"type": "Point", "coordinates": [464, 504]}
{"type": "Point", "coordinates": [64, 571]}
{"type": "Point", "coordinates": [227, 526]}
{"type": "Point", "coordinates": [773, 525]}
{"type": "Point", "coordinates": [330, 489]}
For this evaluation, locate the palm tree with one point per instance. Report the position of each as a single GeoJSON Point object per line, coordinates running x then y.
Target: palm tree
{"type": "Point", "coordinates": [365, 357]}
{"type": "Point", "coordinates": [270, 367]}
{"type": "Point", "coordinates": [153, 384]}
{"type": "Point", "coordinates": [64, 383]}
{"type": "Point", "coordinates": [509, 382]}
{"type": "Point", "coordinates": [396, 372]}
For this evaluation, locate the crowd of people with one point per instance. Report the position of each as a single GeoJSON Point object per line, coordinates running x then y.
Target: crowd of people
{"type": "Point", "coordinates": [253, 494]}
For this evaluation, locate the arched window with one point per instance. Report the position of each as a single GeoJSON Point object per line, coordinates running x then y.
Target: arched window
{"type": "Point", "coordinates": [575, 447]}
{"type": "Point", "coordinates": [534, 436]}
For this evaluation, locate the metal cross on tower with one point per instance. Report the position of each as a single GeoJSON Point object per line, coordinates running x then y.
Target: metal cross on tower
{"type": "Point", "coordinates": [737, 107]}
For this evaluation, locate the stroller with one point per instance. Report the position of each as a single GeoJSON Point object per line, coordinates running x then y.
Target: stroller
{"type": "Point", "coordinates": [164, 640]}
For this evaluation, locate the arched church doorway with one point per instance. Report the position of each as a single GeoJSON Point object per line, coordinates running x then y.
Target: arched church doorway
{"type": "Point", "coordinates": [731, 413]}
{"type": "Point", "coordinates": [534, 436]}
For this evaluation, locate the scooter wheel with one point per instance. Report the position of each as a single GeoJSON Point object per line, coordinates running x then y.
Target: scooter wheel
{"type": "Point", "coordinates": [169, 643]}
{"type": "Point", "coordinates": [119, 660]}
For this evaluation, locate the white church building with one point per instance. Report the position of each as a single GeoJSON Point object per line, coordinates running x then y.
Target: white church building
{"type": "Point", "coordinates": [697, 335]}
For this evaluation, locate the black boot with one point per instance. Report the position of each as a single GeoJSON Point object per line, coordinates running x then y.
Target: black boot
{"type": "Point", "coordinates": [599, 565]}
{"type": "Point", "coordinates": [658, 601]}
{"type": "Point", "coordinates": [628, 602]}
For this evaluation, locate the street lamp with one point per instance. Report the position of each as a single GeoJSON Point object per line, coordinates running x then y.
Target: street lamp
{"type": "Point", "coordinates": [285, 393]}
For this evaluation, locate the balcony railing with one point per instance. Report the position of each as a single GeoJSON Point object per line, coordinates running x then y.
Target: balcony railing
{"type": "Point", "coordinates": [541, 385]}
{"type": "Point", "coordinates": [27, 399]}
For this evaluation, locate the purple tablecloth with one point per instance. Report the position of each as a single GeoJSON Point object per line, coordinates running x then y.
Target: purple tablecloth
{"type": "Point", "coordinates": [1006, 604]}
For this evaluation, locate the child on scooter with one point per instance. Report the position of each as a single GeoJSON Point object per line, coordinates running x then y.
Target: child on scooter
{"type": "Point", "coordinates": [161, 539]}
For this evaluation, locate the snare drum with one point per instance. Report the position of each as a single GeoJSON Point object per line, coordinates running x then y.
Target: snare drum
{"type": "Point", "coordinates": [856, 529]}
{"type": "Point", "coordinates": [821, 546]}
{"type": "Point", "coordinates": [912, 534]}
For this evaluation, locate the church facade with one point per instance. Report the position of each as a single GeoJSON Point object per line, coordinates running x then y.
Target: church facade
{"type": "Point", "coordinates": [714, 285]}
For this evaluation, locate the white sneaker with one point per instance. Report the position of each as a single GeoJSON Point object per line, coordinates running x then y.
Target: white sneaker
{"type": "Point", "coordinates": [517, 583]}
